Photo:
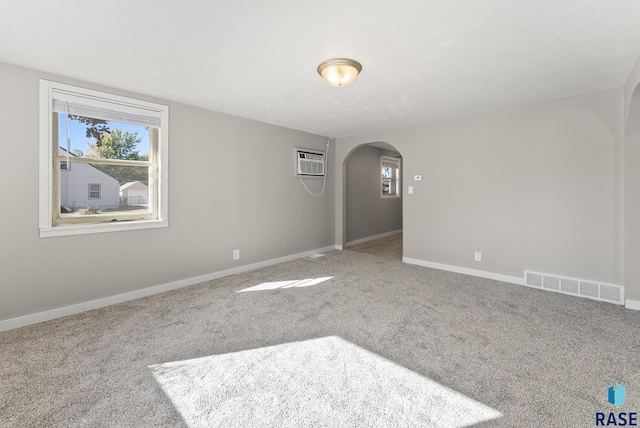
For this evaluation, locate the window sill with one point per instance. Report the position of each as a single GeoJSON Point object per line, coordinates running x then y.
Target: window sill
{"type": "Point", "coordinates": [83, 229]}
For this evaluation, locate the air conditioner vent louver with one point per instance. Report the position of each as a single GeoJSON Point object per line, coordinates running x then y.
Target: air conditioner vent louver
{"type": "Point", "coordinates": [309, 163]}
{"type": "Point", "coordinates": [576, 287]}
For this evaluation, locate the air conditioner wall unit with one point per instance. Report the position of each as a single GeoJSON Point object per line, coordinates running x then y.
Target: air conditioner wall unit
{"type": "Point", "coordinates": [309, 163]}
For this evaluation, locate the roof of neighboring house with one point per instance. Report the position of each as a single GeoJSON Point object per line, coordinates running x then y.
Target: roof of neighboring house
{"type": "Point", "coordinates": [130, 184]}
{"type": "Point", "coordinates": [64, 152]}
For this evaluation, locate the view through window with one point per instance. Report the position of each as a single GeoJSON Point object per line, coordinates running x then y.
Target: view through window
{"type": "Point", "coordinates": [390, 177]}
{"type": "Point", "coordinates": [106, 160]}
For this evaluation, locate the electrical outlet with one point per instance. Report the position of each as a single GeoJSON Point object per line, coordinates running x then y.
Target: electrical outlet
{"type": "Point", "coordinates": [478, 256]}
{"type": "Point", "coordinates": [236, 254]}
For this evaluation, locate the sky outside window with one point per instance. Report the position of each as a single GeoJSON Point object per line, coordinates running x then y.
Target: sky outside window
{"type": "Point", "coordinates": [80, 141]}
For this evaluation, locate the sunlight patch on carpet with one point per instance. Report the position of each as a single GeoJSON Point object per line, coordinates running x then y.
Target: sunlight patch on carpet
{"type": "Point", "coordinates": [287, 284]}
{"type": "Point", "coordinates": [326, 382]}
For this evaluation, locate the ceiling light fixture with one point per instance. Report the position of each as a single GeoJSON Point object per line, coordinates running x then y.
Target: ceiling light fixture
{"type": "Point", "coordinates": [339, 71]}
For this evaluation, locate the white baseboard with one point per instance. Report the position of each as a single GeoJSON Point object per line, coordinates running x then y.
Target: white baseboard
{"type": "Point", "coordinates": [38, 317]}
{"type": "Point", "coordinates": [466, 271]}
{"type": "Point", "coordinates": [632, 304]}
{"type": "Point", "coordinates": [371, 238]}
{"type": "Point", "coordinates": [629, 304]}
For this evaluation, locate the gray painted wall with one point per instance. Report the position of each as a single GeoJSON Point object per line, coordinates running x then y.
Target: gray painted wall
{"type": "Point", "coordinates": [231, 187]}
{"type": "Point", "coordinates": [632, 185]}
{"type": "Point", "coordinates": [536, 187]}
{"type": "Point", "coordinates": [367, 213]}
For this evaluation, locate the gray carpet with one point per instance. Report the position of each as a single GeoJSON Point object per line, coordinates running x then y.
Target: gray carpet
{"type": "Point", "coordinates": [325, 382]}
{"type": "Point", "coordinates": [537, 358]}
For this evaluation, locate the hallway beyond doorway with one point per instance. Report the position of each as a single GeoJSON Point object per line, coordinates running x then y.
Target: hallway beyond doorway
{"type": "Point", "coordinates": [389, 246]}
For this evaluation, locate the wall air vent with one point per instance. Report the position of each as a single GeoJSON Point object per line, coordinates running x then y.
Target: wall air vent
{"type": "Point", "coordinates": [576, 287]}
{"type": "Point", "coordinates": [309, 163]}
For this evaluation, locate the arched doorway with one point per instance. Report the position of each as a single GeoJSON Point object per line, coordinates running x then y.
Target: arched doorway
{"type": "Point", "coordinates": [373, 200]}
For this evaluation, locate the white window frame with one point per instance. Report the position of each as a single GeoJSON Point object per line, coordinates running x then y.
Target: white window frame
{"type": "Point", "coordinates": [395, 178]}
{"type": "Point", "coordinates": [47, 180]}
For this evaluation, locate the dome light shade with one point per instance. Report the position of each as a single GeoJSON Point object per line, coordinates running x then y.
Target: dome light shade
{"type": "Point", "coordinates": [339, 71]}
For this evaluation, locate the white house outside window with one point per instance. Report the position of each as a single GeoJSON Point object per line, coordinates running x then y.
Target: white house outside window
{"type": "Point", "coordinates": [93, 145]}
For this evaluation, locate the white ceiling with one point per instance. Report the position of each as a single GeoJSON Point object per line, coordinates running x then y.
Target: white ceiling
{"type": "Point", "coordinates": [422, 60]}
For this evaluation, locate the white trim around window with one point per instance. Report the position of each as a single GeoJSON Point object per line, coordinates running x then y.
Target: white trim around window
{"type": "Point", "coordinates": [108, 107]}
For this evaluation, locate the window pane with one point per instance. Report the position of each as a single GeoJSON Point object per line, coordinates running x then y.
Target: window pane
{"type": "Point", "coordinates": [386, 186]}
{"type": "Point", "coordinates": [94, 191]}
{"type": "Point", "coordinates": [118, 145]}
{"type": "Point", "coordinates": [389, 177]}
{"type": "Point", "coordinates": [101, 139]}
{"type": "Point", "coordinates": [93, 188]}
